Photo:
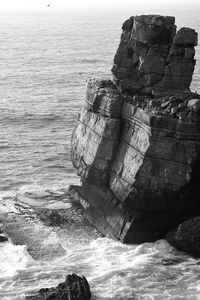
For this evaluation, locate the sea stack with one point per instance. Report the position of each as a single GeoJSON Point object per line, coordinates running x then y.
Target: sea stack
{"type": "Point", "coordinates": [136, 144]}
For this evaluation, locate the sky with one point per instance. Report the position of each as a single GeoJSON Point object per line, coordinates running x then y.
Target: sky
{"type": "Point", "coordinates": [28, 4]}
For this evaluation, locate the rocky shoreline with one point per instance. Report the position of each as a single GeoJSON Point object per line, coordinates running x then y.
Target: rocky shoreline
{"type": "Point", "coordinates": [136, 144]}
{"type": "Point", "coordinates": [40, 220]}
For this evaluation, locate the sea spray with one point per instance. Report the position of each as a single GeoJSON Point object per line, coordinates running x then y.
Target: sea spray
{"type": "Point", "coordinates": [13, 259]}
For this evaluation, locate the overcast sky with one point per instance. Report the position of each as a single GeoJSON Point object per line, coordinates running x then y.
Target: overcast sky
{"type": "Point", "coordinates": [26, 4]}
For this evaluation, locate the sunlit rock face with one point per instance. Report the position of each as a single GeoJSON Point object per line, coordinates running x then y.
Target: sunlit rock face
{"type": "Point", "coordinates": [96, 135]}
{"type": "Point", "coordinates": [136, 144]}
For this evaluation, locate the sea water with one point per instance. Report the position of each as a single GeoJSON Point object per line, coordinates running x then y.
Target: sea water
{"type": "Point", "coordinates": [46, 57]}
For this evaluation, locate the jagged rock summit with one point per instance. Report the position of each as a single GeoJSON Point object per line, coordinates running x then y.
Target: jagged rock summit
{"type": "Point", "coordinates": [136, 144]}
{"type": "Point", "coordinates": [152, 58]}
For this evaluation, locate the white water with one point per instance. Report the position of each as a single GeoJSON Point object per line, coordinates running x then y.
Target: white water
{"type": "Point", "coordinates": [42, 56]}
{"type": "Point", "coordinates": [114, 270]}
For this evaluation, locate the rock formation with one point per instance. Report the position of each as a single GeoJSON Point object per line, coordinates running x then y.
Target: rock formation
{"type": "Point", "coordinates": [38, 219]}
{"type": "Point", "coordinates": [152, 58]}
{"type": "Point", "coordinates": [73, 288]}
{"type": "Point", "coordinates": [187, 236]}
{"type": "Point", "coordinates": [136, 145]}
{"type": "Point", "coordinates": [3, 237]}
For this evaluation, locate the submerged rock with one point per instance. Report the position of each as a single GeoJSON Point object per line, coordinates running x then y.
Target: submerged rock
{"type": "Point", "coordinates": [136, 145]}
{"type": "Point", "coordinates": [187, 236]}
{"type": "Point", "coordinates": [3, 238]}
{"type": "Point", "coordinates": [73, 288]}
{"type": "Point", "coordinates": [42, 225]}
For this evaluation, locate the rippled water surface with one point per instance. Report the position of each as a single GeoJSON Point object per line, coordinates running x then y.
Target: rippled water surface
{"type": "Point", "coordinates": [45, 59]}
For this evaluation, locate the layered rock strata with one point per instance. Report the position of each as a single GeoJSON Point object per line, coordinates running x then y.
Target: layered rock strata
{"type": "Point", "coordinates": [97, 132]}
{"type": "Point", "coordinates": [136, 145]}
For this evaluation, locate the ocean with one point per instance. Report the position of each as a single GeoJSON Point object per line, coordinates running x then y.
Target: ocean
{"type": "Point", "coordinates": [46, 56]}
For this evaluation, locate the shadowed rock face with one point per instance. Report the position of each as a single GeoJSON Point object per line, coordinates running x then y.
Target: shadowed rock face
{"type": "Point", "coordinates": [73, 288]}
{"type": "Point", "coordinates": [136, 145]}
{"type": "Point", "coordinates": [152, 58]}
{"type": "Point", "coordinates": [187, 236]}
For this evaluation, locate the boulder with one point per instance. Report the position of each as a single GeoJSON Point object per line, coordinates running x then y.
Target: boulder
{"type": "Point", "coordinates": [187, 236]}
{"type": "Point", "coordinates": [73, 288]}
{"type": "Point", "coordinates": [3, 238]}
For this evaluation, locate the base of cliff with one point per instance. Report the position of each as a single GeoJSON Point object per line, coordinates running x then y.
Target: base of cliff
{"type": "Point", "coordinates": [106, 213]}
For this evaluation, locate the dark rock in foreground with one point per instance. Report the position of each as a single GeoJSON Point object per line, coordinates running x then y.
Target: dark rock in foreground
{"type": "Point", "coordinates": [187, 236]}
{"type": "Point", "coordinates": [73, 288]}
{"type": "Point", "coordinates": [136, 145]}
{"type": "Point", "coordinates": [40, 219]}
{"type": "Point", "coordinates": [3, 239]}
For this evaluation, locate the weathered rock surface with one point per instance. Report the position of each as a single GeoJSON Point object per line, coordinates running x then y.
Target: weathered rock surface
{"type": "Point", "coordinates": [187, 236]}
{"type": "Point", "coordinates": [152, 58]}
{"type": "Point", "coordinates": [103, 209]}
{"type": "Point", "coordinates": [102, 97]}
{"type": "Point", "coordinates": [93, 145]}
{"type": "Point", "coordinates": [136, 145]}
{"type": "Point", "coordinates": [73, 288]}
{"type": "Point", "coordinates": [96, 135]}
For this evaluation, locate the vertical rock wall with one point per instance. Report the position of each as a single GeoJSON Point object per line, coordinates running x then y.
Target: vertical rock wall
{"type": "Point", "coordinates": [152, 58]}
{"type": "Point", "coordinates": [137, 141]}
{"type": "Point", "coordinates": [96, 135]}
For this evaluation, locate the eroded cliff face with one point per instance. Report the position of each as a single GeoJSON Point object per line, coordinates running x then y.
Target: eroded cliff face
{"type": "Point", "coordinates": [152, 57]}
{"type": "Point", "coordinates": [136, 145]}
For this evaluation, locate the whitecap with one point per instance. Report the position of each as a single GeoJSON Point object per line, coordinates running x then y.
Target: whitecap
{"type": "Point", "coordinates": [13, 259]}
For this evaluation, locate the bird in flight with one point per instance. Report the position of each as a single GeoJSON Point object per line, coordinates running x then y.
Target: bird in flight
{"type": "Point", "coordinates": [48, 4]}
